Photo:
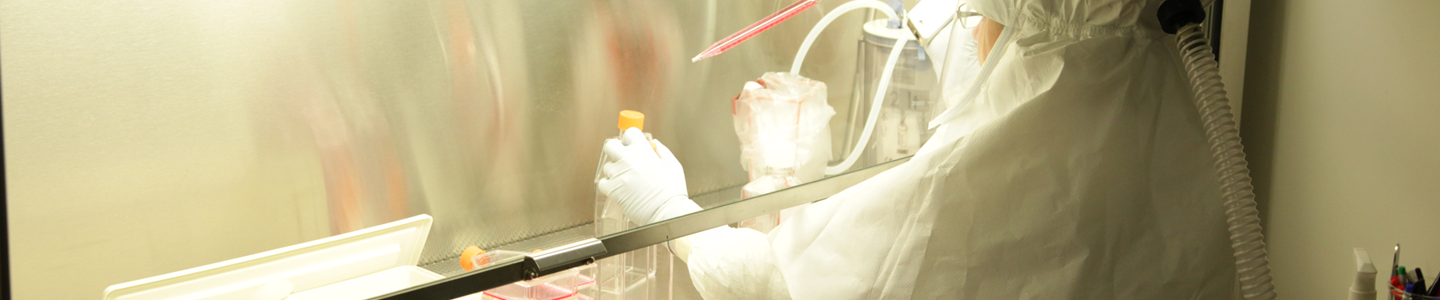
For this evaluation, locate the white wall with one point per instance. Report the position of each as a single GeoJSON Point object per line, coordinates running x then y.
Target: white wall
{"type": "Point", "coordinates": [1342, 122]}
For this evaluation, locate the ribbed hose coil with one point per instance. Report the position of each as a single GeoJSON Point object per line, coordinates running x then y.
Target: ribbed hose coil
{"type": "Point", "coordinates": [1246, 238]}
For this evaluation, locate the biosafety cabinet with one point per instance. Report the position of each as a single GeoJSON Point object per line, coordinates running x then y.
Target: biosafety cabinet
{"type": "Point", "coordinates": [356, 149]}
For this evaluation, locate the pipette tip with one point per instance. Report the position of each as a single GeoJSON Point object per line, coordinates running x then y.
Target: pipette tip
{"type": "Point", "coordinates": [702, 55]}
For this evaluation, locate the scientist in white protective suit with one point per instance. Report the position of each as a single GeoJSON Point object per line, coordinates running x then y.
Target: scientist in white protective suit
{"type": "Point", "coordinates": [1078, 171]}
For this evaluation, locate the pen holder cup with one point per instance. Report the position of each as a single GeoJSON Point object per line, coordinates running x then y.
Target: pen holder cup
{"type": "Point", "coordinates": [1397, 294]}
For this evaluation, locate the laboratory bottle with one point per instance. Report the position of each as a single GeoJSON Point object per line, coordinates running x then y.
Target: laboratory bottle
{"type": "Point", "coordinates": [910, 99]}
{"type": "Point", "coordinates": [779, 174]}
{"type": "Point", "coordinates": [629, 276]}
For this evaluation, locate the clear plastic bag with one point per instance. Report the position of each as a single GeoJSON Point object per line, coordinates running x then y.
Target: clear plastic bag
{"type": "Point", "coordinates": [778, 110]}
{"type": "Point", "coordinates": [782, 120]}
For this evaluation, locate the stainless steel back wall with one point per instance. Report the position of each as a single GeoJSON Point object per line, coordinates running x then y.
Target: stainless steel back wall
{"type": "Point", "coordinates": [171, 133]}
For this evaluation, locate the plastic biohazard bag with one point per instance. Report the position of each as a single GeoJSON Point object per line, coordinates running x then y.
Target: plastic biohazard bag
{"type": "Point", "coordinates": [779, 110]}
{"type": "Point", "coordinates": [782, 121]}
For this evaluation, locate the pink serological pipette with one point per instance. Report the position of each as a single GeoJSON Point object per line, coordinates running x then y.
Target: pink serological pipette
{"type": "Point", "coordinates": [755, 29]}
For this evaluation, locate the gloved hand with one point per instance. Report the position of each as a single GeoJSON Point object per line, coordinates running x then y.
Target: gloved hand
{"type": "Point", "coordinates": [647, 181]}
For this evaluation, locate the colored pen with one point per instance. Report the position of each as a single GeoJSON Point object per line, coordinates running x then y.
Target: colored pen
{"type": "Point", "coordinates": [1434, 287]}
{"type": "Point", "coordinates": [1409, 280]}
{"type": "Point", "coordinates": [1420, 282]}
{"type": "Point", "coordinates": [1404, 285]}
{"type": "Point", "coordinates": [1396, 284]}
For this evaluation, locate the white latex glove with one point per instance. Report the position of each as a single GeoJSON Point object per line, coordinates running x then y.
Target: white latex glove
{"type": "Point", "coordinates": [648, 182]}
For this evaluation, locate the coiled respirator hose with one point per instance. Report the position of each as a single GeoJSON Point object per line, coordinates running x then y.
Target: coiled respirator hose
{"type": "Point", "coordinates": [1251, 263]}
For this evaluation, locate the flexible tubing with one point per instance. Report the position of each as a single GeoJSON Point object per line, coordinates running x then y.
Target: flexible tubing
{"type": "Point", "coordinates": [875, 108]}
{"type": "Point", "coordinates": [884, 76]}
{"type": "Point", "coordinates": [1251, 262]}
{"type": "Point", "coordinates": [830, 17]}
{"type": "Point", "coordinates": [998, 51]}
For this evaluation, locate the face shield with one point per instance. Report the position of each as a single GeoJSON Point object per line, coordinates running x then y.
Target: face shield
{"type": "Point", "coordinates": [961, 62]}
{"type": "Point", "coordinates": [967, 64]}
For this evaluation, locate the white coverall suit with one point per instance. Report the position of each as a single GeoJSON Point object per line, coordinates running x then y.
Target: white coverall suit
{"type": "Point", "coordinates": [1081, 171]}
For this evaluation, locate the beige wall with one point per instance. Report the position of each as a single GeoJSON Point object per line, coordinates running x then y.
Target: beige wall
{"type": "Point", "coordinates": [1342, 122]}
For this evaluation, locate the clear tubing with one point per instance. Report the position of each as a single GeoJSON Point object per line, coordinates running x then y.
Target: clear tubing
{"type": "Point", "coordinates": [986, 68]}
{"type": "Point", "coordinates": [884, 75]}
{"type": "Point", "coordinates": [1251, 262]}
{"type": "Point", "coordinates": [830, 17]}
{"type": "Point", "coordinates": [875, 108]}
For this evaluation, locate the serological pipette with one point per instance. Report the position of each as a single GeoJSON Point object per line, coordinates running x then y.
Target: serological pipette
{"type": "Point", "coordinates": [755, 29]}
